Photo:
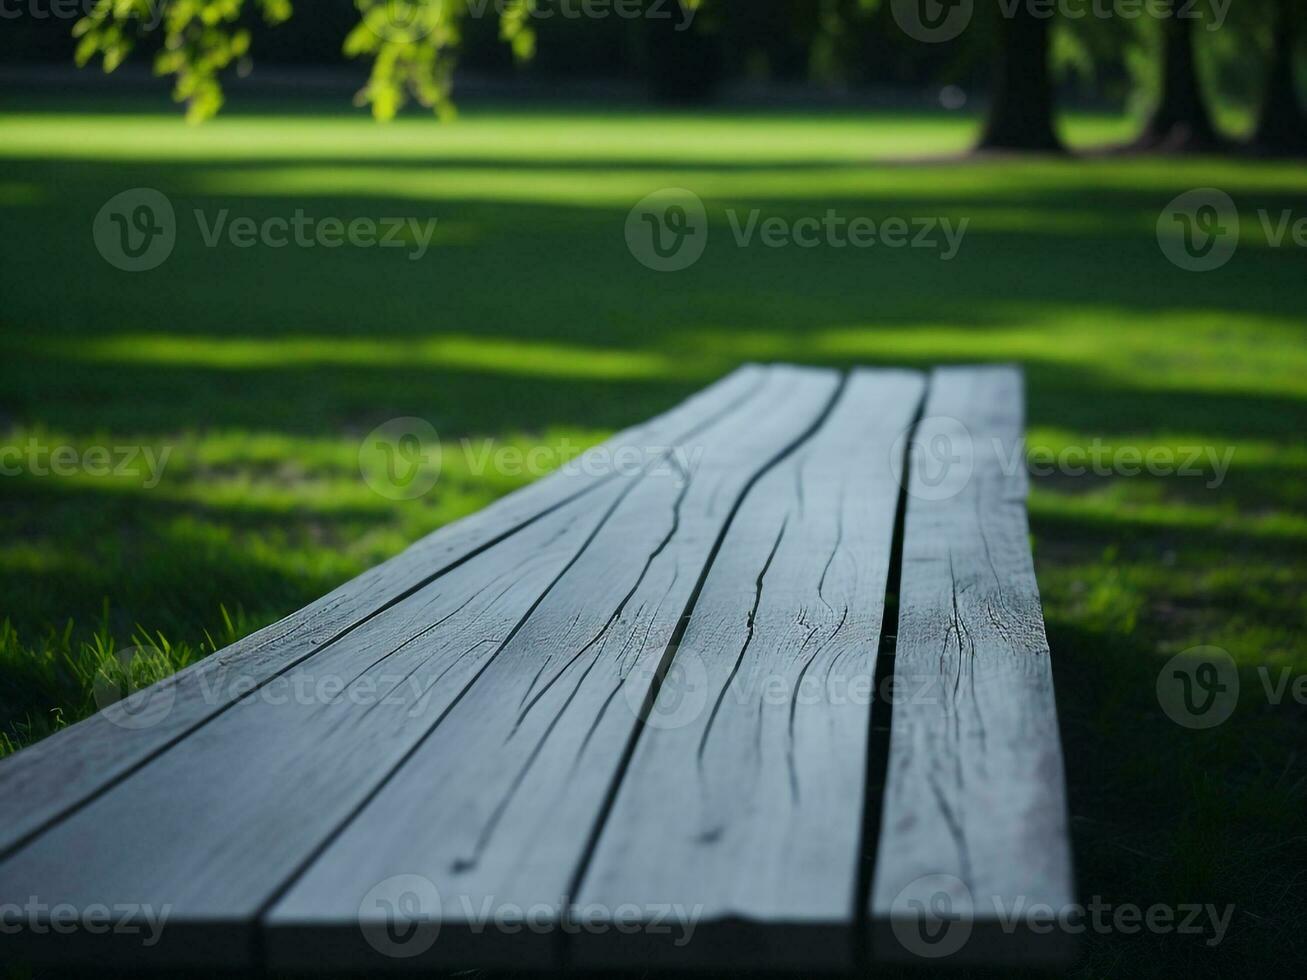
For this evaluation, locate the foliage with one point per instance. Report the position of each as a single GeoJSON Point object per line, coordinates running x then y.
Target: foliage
{"type": "Point", "coordinates": [413, 44]}
{"type": "Point", "coordinates": [200, 39]}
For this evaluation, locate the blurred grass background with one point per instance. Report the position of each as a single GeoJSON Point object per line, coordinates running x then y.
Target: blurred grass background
{"type": "Point", "coordinates": [528, 322]}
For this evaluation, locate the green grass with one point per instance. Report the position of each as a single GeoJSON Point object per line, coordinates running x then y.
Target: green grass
{"type": "Point", "coordinates": [529, 323]}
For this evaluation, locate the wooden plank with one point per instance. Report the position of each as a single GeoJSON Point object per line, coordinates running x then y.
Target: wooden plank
{"type": "Point", "coordinates": [974, 815]}
{"type": "Point", "coordinates": [237, 807]}
{"type": "Point", "coordinates": [493, 813]}
{"type": "Point", "coordinates": [743, 803]}
{"type": "Point", "coordinates": [50, 779]}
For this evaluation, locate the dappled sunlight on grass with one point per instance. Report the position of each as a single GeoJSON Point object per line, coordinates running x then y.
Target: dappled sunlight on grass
{"type": "Point", "coordinates": [527, 332]}
{"type": "Point", "coordinates": [947, 185]}
{"type": "Point", "coordinates": [498, 355]}
{"type": "Point", "coordinates": [528, 325]}
{"type": "Point", "coordinates": [1191, 349]}
{"type": "Point", "coordinates": [503, 134]}
{"type": "Point", "coordinates": [1137, 508]}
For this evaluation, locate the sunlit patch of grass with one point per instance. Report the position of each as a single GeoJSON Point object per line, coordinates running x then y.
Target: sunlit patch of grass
{"type": "Point", "coordinates": [62, 675]}
{"type": "Point", "coordinates": [498, 355]}
{"type": "Point", "coordinates": [1146, 505]}
{"type": "Point", "coordinates": [1193, 349]}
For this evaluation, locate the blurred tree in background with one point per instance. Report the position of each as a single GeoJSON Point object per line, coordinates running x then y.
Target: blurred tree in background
{"type": "Point", "coordinates": [1281, 122]}
{"type": "Point", "coordinates": [1180, 120]}
{"type": "Point", "coordinates": [1185, 79]}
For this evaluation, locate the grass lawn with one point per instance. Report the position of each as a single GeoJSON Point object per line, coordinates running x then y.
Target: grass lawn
{"type": "Point", "coordinates": [259, 370]}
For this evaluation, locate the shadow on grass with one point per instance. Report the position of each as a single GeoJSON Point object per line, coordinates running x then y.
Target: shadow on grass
{"type": "Point", "coordinates": [1060, 270]}
{"type": "Point", "coordinates": [1164, 814]}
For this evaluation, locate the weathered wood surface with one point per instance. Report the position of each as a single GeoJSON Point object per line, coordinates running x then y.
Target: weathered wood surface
{"type": "Point", "coordinates": [288, 764]}
{"type": "Point", "coordinates": [744, 798]}
{"type": "Point", "coordinates": [618, 696]}
{"type": "Point", "coordinates": [497, 806]}
{"type": "Point", "coordinates": [49, 780]}
{"type": "Point", "coordinates": [974, 815]}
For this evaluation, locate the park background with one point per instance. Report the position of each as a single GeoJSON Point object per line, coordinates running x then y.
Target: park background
{"type": "Point", "coordinates": [529, 323]}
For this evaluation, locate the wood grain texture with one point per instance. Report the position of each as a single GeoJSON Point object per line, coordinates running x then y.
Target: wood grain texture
{"type": "Point", "coordinates": [472, 726]}
{"type": "Point", "coordinates": [236, 808]}
{"type": "Point", "coordinates": [48, 780]}
{"type": "Point", "coordinates": [497, 806]}
{"type": "Point", "coordinates": [974, 804]}
{"type": "Point", "coordinates": [290, 761]}
{"type": "Point", "coordinates": [744, 798]}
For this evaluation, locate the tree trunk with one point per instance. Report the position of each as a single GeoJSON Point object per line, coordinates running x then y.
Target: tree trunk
{"type": "Point", "coordinates": [1282, 125]}
{"type": "Point", "coordinates": [1180, 122]}
{"type": "Point", "coordinates": [1021, 110]}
